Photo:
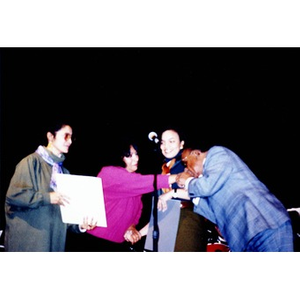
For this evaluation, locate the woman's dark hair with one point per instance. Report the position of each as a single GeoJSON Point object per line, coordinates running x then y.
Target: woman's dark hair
{"type": "Point", "coordinates": [178, 129]}
{"type": "Point", "coordinates": [57, 125]}
{"type": "Point", "coordinates": [119, 150]}
{"type": "Point", "coordinates": [53, 125]}
{"type": "Point", "coordinates": [125, 150]}
{"type": "Point", "coordinates": [186, 135]}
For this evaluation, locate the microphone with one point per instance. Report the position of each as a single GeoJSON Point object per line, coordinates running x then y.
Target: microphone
{"type": "Point", "coordinates": [152, 136]}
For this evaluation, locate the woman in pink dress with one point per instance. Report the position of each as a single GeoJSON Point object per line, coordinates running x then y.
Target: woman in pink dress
{"type": "Point", "coordinates": [123, 188]}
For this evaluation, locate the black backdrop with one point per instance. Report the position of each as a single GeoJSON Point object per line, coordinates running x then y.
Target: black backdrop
{"type": "Point", "coordinates": [242, 98]}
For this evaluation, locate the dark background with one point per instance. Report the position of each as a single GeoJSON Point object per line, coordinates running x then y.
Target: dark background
{"type": "Point", "coordinates": [242, 98]}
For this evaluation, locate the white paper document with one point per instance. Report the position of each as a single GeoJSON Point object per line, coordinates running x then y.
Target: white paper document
{"type": "Point", "coordinates": [85, 196]}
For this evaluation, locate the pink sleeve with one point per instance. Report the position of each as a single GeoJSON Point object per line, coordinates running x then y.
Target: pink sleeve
{"type": "Point", "coordinates": [119, 180]}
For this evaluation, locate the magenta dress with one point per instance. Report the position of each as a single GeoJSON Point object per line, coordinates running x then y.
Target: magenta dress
{"type": "Point", "coordinates": [123, 192]}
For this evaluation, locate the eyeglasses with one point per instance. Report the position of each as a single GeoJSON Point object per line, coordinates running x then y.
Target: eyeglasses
{"type": "Point", "coordinates": [67, 137]}
{"type": "Point", "coordinates": [195, 152]}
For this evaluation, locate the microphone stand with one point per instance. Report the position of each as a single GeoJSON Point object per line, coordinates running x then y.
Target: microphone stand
{"type": "Point", "coordinates": [155, 234]}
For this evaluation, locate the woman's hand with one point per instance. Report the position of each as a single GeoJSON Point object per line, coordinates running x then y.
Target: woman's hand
{"type": "Point", "coordinates": [132, 235]}
{"type": "Point", "coordinates": [162, 200]}
{"type": "Point", "coordinates": [58, 198]}
{"type": "Point", "coordinates": [88, 224]}
{"type": "Point", "coordinates": [182, 177]}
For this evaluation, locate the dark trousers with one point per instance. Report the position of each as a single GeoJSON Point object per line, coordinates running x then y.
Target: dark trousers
{"type": "Point", "coordinates": [84, 242]}
{"type": "Point", "coordinates": [192, 232]}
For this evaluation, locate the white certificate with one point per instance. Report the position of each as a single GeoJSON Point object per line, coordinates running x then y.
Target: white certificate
{"type": "Point", "coordinates": [85, 196]}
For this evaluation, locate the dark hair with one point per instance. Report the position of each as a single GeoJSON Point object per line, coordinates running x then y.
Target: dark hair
{"type": "Point", "coordinates": [186, 134]}
{"type": "Point", "coordinates": [125, 151]}
{"type": "Point", "coordinates": [119, 150]}
{"type": "Point", "coordinates": [179, 130]}
{"type": "Point", "coordinates": [56, 126]}
{"type": "Point", "coordinates": [53, 126]}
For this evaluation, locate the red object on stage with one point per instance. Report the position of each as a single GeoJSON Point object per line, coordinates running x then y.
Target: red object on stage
{"type": "Point", "coordinates": [217, 247]}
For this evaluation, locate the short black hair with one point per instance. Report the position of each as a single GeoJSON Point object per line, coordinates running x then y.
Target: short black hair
{"type": "Point", "coordinates": [53, 125]}
{"type": "Point", "coordinates": [176, 128]}
{"type": "Point", "coordinates": [119, 148]}
{"type": "Point", "coordinates": [57, 125]}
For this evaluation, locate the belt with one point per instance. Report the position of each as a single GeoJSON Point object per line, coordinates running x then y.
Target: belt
{"type": "Point", "coordinates": [186, 204]}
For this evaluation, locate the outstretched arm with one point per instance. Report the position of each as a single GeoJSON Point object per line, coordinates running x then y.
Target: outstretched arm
{"type": "Point", "coordinates": [176, 193]}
